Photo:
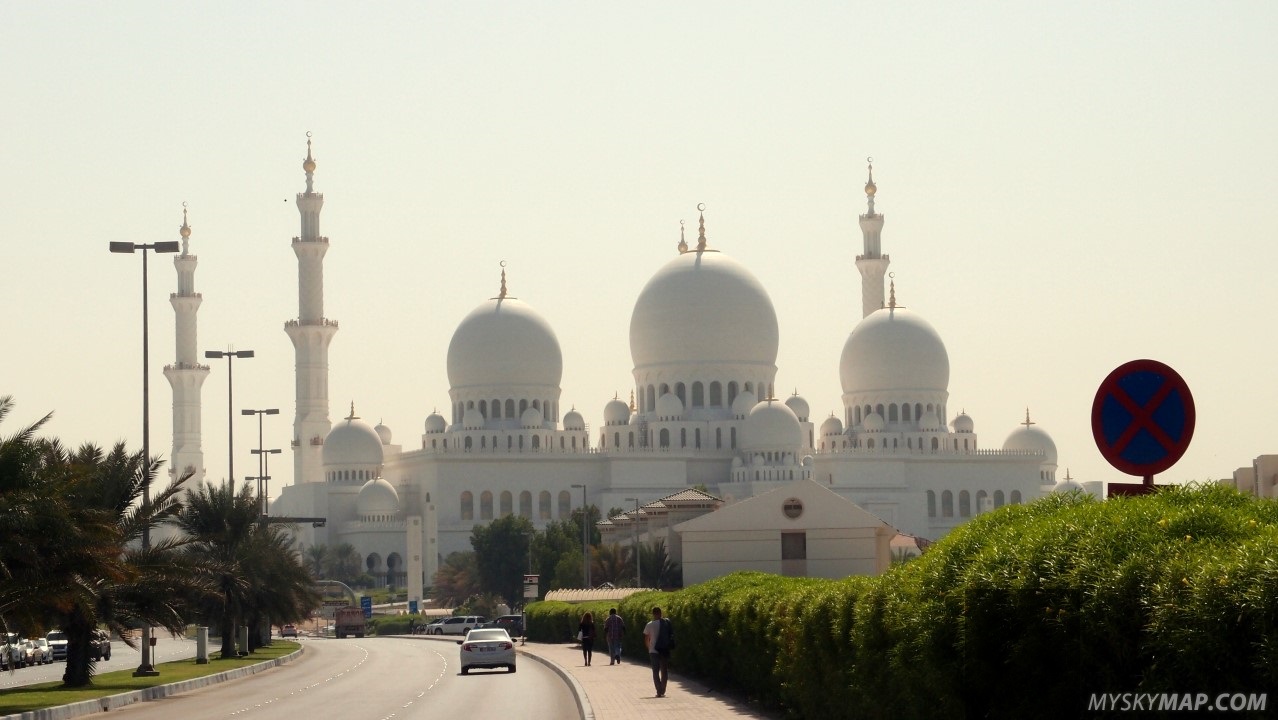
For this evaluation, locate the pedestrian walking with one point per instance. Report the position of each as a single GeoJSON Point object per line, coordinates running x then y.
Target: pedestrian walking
{"type": "Point", "coordinates": [586, 631]}
{"type": "Point", "coordinates": [614, 631]}
{"type": "Point", "coordinates": [658, 635]}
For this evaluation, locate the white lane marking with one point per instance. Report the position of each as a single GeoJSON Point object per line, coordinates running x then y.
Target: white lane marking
{"type": "Point", "coordinates": [313, 685]}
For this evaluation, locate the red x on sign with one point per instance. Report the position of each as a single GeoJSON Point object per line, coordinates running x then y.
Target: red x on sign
{"type": "Point", "coordinates": [1143, 417]}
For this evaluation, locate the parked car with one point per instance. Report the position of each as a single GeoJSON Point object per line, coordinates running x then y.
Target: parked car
{"type": "Point", "coordinates": [45, 647]}
{"type": "Point", "coordinates": [459, 624]}
{"type": "Point", "coordinates": [487, 648]}
{"type": "Point", "coordinates": [100, 645]}
{"type": "Point", "coordinates": [32, 654]}
{"type": "Point", "coordinates": [428, 628]}
{"type": "Point", "coordinates": [512, 624]}
{"type": "Point", "coordinates": [288, 631]}
{"type": "Point", "coordinates": [58, 643]}
{"type": "Point", "coordinates": [11, 653]}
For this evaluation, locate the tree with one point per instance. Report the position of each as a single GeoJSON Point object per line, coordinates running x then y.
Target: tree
{"type": "Point", "coordinates": [501, 549]}
{"type": "Point", "coordinates": [612, 564]}
{"type": "Point", "coordinates": [316, 560]}
{"type": "Point", "coordinates": [344, 563]}
{"type": "Point", "coordinates": [456, 579]}
{"type": "Point", "coordinates": [658, 570]}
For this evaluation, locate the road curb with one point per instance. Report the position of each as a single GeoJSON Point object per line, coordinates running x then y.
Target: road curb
{"type": "Point", "coordinates": [115, 702]}
{"type": "Point", "coordinates": [578, 693]}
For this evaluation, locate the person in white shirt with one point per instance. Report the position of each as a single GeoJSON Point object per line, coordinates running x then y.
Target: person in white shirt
{"type": "Point", "coordinates": [658, 653]}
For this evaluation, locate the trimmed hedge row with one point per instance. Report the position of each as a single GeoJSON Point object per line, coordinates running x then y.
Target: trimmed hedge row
{"type": "Point", "coordinates": [1022, 612]}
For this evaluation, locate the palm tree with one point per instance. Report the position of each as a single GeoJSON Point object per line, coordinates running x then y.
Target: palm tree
{"type": "Point", "coordinates": [456, 579]}
{"type": "Point", "coordinates": [611, 564]}
{"type": "Point", "coordinates": [658, 570]}
{"type": "Point", "coordinates": [316, 559]}
{"type": "Point", "coordinates": [344, 563]}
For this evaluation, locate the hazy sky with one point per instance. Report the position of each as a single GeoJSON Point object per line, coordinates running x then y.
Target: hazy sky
{"type": "Point", "coordinates": [1066, 187]}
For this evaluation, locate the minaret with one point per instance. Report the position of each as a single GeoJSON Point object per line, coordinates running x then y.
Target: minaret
{"type": "Point", "coordinates": [872, 263]}
{"type": "Point", "coordinates": [311, 333]}
{"type": "Point", "coordinates": [186, 375]}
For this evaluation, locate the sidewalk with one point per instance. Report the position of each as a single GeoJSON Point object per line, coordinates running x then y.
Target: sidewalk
{"type": "Point", "coordinates": [625, 692]}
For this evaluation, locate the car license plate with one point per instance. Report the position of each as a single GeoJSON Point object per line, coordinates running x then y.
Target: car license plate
{"type": "Point", "coordinates": [486, 649]}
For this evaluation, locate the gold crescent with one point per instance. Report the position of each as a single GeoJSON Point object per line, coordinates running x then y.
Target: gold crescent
{"type": "Point", "coordinates": [308, 133]}
{"type": "Point", "coordinates": [502, 263]}
{"type": "Point", "coordinates": [701, 207]}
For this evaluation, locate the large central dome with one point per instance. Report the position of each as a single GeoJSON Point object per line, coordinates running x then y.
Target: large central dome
{"type": "Point", "coordinates": [504, 342]}
{"type": "Point", "coordinates": [703, 307]}
{"type": "Point", "coordinates": [893, 349]}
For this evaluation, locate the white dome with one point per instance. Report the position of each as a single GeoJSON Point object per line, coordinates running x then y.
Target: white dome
{"type": "Point", "coordinates": [635, 420]}
{"type": "Point", "coordinates": [703, 308]}
{"type": "Point", "coordinates": [1031, 438]}
{"type": "Point", "coordinates": [744, 403]}
{"type": "Point", "coordinates": [531, 419]}
{"type": "Point", "coordinates": [377, 497]}
{"type": "Point", "coordinates": [831, 426]}
{"type": "Point", "coordinates": [669, 407]}
{"type": "Point", "coordinates": [616, 412]}
{"type": "Point", "coordinates": [383, 432]}
{"type": "Point", "coordinates": [963, 423]}
{"type": "Point", "coordinates": [435, 423]}
{"type": "Point", "coordinates": [930, 421]}
{"type": "Point", "coordinates": [771, 425]}
{"type": "Point", "coordinates": [574, 421]}
{"type": "Point", "coordinates": [504, 342]}
{"type": "Point", "coordinates": [473, 419]}
{"type": "Point", "coordinates": [799, 406]}
{"type": "Point", "coordinates": [894, 349]}
{"type": "Point", "coordinates": [1065, 486]}
{"type": "Point", "coordinates": [352, 442]}
{"type": "Point", "coordinates": [873, 423]}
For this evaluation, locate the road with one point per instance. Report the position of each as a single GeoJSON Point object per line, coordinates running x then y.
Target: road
{"type": "Point", "coordinates": [374, 679]}
{"type": "Point", "coordinates": [122, 658]}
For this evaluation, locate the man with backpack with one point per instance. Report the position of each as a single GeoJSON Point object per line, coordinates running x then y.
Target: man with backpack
{"type": "Point", "coordinates": [659, 637]}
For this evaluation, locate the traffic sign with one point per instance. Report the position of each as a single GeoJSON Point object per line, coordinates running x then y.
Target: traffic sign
{"type": "Point", "coordinates": [366, 604]}
{"type": "Point", "coordinates": [1143, 418]}
{"type": "Point", "coordinates": [412, 607]}
{"type": "Point", "coordinates": [530, 587]}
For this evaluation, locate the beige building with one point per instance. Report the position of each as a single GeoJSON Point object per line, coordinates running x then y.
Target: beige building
{"type": "Point", "coordinates": [1259, 479]}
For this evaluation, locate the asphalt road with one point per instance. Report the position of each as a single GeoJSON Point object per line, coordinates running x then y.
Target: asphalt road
{"type": "Point", "coordinates": [374, 679]}
{"type": "Point", "coordinates": [122, 658]}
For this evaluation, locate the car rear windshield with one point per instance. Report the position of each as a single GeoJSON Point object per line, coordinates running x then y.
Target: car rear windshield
{"type": "Point", "coordinates": [56, 636]}
{"type": "Point", "coordinates": [494, 634]}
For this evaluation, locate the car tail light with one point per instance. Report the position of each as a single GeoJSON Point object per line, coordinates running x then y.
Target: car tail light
{"type": "Point", "coordinates": [468, 647]}
{"type": "Point", "coordinates": [506, 646]}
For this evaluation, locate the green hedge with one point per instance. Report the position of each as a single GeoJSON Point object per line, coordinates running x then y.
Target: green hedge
{"type": "Point", "coordinates": [1021, 612]}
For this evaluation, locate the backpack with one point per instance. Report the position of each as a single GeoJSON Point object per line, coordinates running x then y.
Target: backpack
{"type": "Point", "coordinates": [665, 636]}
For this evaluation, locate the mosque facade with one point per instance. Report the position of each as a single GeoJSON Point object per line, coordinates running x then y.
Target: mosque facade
{"type": "Point", "coordinates": [703, 412]}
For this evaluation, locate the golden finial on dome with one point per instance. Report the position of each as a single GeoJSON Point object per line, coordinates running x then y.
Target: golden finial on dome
{"type": "Point", "coordinates": [309, 164]}
{"type": "Point", "coordinates": [870, 187]}
{"type": "Point", "coordinates": [502, 294]}
{"type": "Point", "coordinates": [683, 244]}
{"type": "Point", "coordinates": [185, 230]}
{"type": "Point", "coordinates": [1027, 422]}
{"type": "Point", "coordinates": [892, 292]}
{"type": "Point", "coordinates": [632, 401]}
{"type": "Point", "coordinates": [701, 232]}
{"type": "Point", "coordinates": [352, 416]}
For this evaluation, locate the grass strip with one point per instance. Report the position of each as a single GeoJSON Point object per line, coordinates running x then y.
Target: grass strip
{"type": "Point", "coordinates": [53, 694]}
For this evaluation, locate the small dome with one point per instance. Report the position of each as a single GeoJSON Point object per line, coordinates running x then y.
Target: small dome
{"type": "Point", "coordinates": [873, 423]}
{"type": "Point", "coordinates": [616, 412]}
{"type": "Point", "coordinates": [736, 462]}
{"type": "Point", "coordinates": [574, 421]}
{"type": "Point", "coordinates": [799, 406]}
{"type": "Point", "coordinates": [504, 342]}
{"type": "Point", "coordinates": [531, 419]}
{"type": "Point", "coordinates": [435, 423]}
{"type": "Point", "coordinates": [669, 407]}
{"type": "Point", "coordinates": [893, 349]}
{"type": "Point", "coordinates": [744, 403]}
{"type": "Point", "coordinates": [771, 425]}
{"type": "Point", "coordinates": [1030, 438]}
{"type": "Point", "coordinates": [352, 442]}
{"type": "Point", "coordinates": [383, 432]}
{"type": "Point", "coordinates": [963, 423]}
{"type": "Point", "coordinates": [635, 419]}
{"type": "Point", "coordinates": [1067, 485]}
{"type": "Point", "coordinates": [473, 419]}
{"type": "Point", "coordinates": [808, 461]}
{"type": "Point", "coordinates": [377, 497]}
{"type": "Point", "coordinates": [931, 422]}
{"type": "Point", "coordinates": [831, 426]}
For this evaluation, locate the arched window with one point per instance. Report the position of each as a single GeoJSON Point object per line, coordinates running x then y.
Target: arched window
{"type": "Point", "coordinates": [892, 417]}
{"type": "Point", "coordinates": [732, 392]}
{"type": "Point", "coordinates": [373, 562]}
{"type": "Point", "coordinates": [616, 439]}
{"type": "Point", "coordinates": [732, 438]}
{"type": "Point", "coordinates": [467, 506]}
{"type": "Point", "coordinates": [748, 387]}
{"type": "Point", "coordinates": [931, 503]}
{"type": "Point", "coordinates": [870, 443]}
{"type": "Point", "coordinates": [998, 498]}
{"type": "Point", "coordinates": [947, 504]}
{"type": "Point", "coordinates": [565, 505]}
{"type": "Point", "coordinates": [1015, 498]}
{"type": "Point", "coordinates": [981, 495]}
{"type": "Point", "coordinates": [918, 411]}
{"type": "Point", "coordinates": [543, 505]}
{"type": "Point", "coordinates": [965, 504]}
{"type": "Point", "coordinates": [652, 400]}
{"type": "Point", "coordinates": [483, 408]}
{"type": "Point", "coordinates": [521, 442]}
{"type": "Point", "coordinates": [523, 405]}
{"type": "Point", "coordinates": [665, 440]}
{"type": "Point", "coordinates": [483, 442]}
{"type": "Point", "coordinates": [879, 409]}
{"type": "Point", "coordinates": [698, 394]}
{"type": "Point", "coordinates": [857, 416]}
{"type": "Point", "coordinates": [631, 439]}
{"type": "Point", "coordinates": [525, 504]}
{"type": "Point", "coordinates": [510, 408]}
{"type": "Point", "coordinates": [716, 394]}
{"type": "Point", "coordinates": [663, 390]}
{"type": "Point", "coordinates": [696, 438]}
{"type": "Point", "coordinates": [537, 404]}
{"type": "Point", "coordinates": [536, 442]}
{"type": "Point", "coordinates": [936, 444]}
{"type": "Point", "coordinates": [681, 393]}
{"type": "Point", "coordinates": [496, 406]}
{"type": "Point", "coordinates": [486, 506]}
{"type": "Point", "coordinates": [506, 501]}
{"type": "Point", "coordinates": [683, 437]}
{"type": "Point", "coordinates": [467, 442]}
{"type": "Point", "coordinates": [905, 412]}
{"type": "Point", "coordinates": [718, 438]}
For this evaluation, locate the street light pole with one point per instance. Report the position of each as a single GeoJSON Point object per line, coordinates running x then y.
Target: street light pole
{"type": "Point", "coordinates": [262, 455]}
{"type": "Point", "coordinates": [634, 529]}
{"type": "Point", "coordinates": [230, 404]}
{"type": "Point", "coordinates": [585, 537]}
{"type": "Point", "coordinates": [145, 668]}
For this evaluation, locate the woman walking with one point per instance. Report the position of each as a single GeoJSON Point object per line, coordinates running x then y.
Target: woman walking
{"type": "Point", "coordinates": [586, 631]}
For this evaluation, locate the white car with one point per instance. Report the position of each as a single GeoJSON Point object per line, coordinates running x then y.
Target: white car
{"type": "Point", "coordinates": [458, 624]}
{"type": "Point", "coordinates": [58, 644]}
{"type": "Point", "coordinates": [487, 648]}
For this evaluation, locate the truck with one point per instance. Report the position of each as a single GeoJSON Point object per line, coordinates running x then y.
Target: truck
{"type": "Point", "coordinates": [349, 621]}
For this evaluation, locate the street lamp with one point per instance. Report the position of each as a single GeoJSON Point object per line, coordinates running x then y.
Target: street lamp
{"type": "Point", "coordinates": [634, 528]}
{"type": "Point", "coordinates": [230, 414]}
{"type": "Point", "coordinates": [585, 537]}
{"type": "Point", "coordinates": [145, 669]}
{"type": "Point", "coordinates": [263, 456]}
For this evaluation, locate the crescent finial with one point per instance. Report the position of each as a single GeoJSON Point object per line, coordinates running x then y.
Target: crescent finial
{"type": "Point", "coordinates": [502, 263]}
{"type": "Point", "coordinates": [308, 133]}
{"type": "Point", "coordinates": [701, 207]}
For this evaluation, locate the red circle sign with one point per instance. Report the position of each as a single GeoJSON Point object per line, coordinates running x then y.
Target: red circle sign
{"type": "Point", "coordinates": [1143, 417]}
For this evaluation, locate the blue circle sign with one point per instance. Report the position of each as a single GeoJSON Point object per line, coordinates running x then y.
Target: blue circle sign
{"type": "Point", "coordinates": [1143, 417]}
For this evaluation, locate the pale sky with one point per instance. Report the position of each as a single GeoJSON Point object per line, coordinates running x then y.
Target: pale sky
{"type": "Point", "coordinates": [1066, 187]}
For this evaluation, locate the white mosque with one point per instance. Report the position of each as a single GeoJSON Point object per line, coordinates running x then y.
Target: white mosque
{"type": "Point", "coordinates": [703, 412]}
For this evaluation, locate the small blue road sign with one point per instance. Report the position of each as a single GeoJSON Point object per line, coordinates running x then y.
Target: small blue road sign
{"type": "Point", "coordinates": [366, 604]}
{"type": "Point", "coordinates": [412, 607]}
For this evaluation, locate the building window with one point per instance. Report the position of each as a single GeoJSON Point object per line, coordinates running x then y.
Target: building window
{"type": "Point", "coordinates": [1015, 498]}
{"type": "Point", "coordinates": [947, 504]}
{"type": "Point", "coordinates": [698, 394]}
{"type": "Point", "coordinates": [931, 504]}
{"type": "Point", "coordinates": [565, 505]}
{"type": "Point", "coordinates": [506, 501]}
{"type": "Point", "coordinates": [792, 507]}
{"type": "Point", "coordinates": [467, 506]}
{"type": "Point", "coordinates": [543, 505]}
{"type": "Point", "coordinates": [965, 504]}
{"type": "Point", "coordinates": [716, 394]}
{"type": "Point", "coordinates": [794, 546]}
{"type": "Point", "coordinates": [525, 504]}
{"type": "Point", "coordinates": [998, 498]}
{"type": "Point", "coordinates": [486, 506]}
{"type": "Point", "coordinates": [665, 438]}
